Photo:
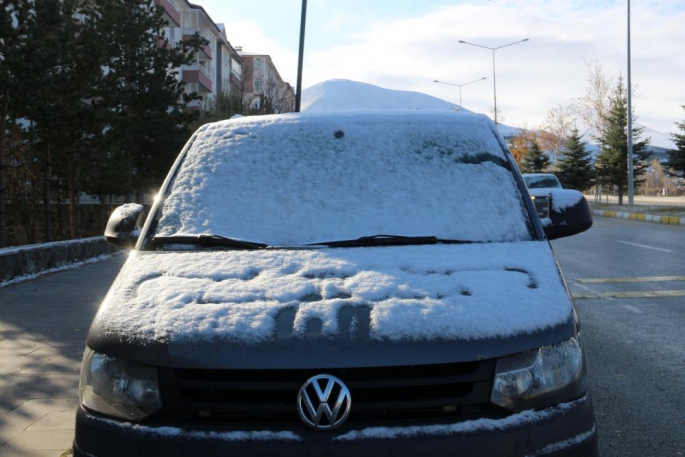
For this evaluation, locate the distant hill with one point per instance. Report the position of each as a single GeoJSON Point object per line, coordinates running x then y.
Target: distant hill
{"type": "Point", "coordinates": [660, 141]}
{"type": "Point", "coordinates": [346, 95]}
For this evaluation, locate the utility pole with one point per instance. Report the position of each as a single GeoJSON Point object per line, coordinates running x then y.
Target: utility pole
{"type": "Point", "coordinates": [300, 60]}
{"type": "Point", "coordinates": [631, 191]}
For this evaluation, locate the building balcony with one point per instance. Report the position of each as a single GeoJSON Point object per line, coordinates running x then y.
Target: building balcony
{"type": "Point", "coordinates": [235, 80]}
{"type": "Point", "coordinates": [199, 105]}
{"type": "Point", "coordinates": [171, 12]}
{"type": "Point", "coordinates": [166, 42]}
{"type": "Point", "coordinates": [207, 49]}
{"type": "Point", "coordinates": [198, 74]}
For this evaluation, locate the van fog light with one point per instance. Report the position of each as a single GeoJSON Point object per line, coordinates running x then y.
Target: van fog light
{"type": "Point", "coordinates": [541, 378]}
{"type": "Point", "coordinates": [118, 388]}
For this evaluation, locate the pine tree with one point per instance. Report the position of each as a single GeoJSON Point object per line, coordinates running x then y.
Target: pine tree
{"type": "Point", "coordinates": [13, 20]}
{"type": "Point", "coordinates": [142, 100]}
{"type": "Point", "coordinates": [535, 161]}
{"type": "Point", "coordinates": [576, 167]}
{"type": "Point", "coordinates": [60, 68]}
{"type": "Point", "coordinates": [676, 157]}
{"type": "Point", "coordinates": [612, 160]}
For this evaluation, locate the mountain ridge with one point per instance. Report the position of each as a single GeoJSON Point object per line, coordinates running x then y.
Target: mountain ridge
{"type": "Point", "coordinates": [348, 95]}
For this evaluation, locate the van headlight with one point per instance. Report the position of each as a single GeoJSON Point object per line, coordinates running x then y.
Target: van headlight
{"type": "Point", "coordinates": [541, 378]}
{"type": "Point", "coordinates": [118, 388]}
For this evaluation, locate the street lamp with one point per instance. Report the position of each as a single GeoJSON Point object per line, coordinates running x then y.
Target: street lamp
{"type": "Point", "coordinates": [459, 86]}
{"type": "Point", "coordinates": [494, 79]}
{"type": "Point", "coordinates": [630, 124]}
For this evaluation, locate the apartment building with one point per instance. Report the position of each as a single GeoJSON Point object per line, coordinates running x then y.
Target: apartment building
{"type": "Point", "coordinates": [217, 67]}
{"type": "Point", "coordinates": [264, 91]}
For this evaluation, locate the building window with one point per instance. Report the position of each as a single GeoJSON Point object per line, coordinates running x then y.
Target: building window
{"type": "Point", "coordinates": [258, 86]}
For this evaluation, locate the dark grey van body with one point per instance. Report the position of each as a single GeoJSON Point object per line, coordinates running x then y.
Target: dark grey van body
{"type": "Point", "coordinates": [341, 340]}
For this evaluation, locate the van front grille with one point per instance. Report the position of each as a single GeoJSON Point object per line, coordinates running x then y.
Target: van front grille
{"type": "Point", "coordinates": [380, 395]}
{"type": "Point", "coordinates": [542, 204]}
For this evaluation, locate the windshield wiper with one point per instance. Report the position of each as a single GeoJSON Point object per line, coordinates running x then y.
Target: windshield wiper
{"type": "Point", "coordinates": [388, 240]}
{"type": "Point", "coordinates": [206, 240]}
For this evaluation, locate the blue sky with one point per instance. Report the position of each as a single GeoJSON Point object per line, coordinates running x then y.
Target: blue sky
{"type": "Point", "coordinates": [406, 44]}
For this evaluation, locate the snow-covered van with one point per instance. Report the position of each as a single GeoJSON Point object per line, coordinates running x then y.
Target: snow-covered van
{"type": "Point", "coordinates": [359, 283]}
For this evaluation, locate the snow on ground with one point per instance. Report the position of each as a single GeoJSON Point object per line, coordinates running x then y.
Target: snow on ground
{"type": "Point", "coordinates": [29, 247]}
{"type": "Point", "coordinates": [70, 266]}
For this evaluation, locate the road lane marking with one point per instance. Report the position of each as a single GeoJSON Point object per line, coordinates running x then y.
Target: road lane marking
{"type": "Point", "coordinates": [633, 294]}
{"type": "Point", "coordinates": [633, 309]}
{"type": "Point", "coordinates": [638, 279]}
{"type": "Point", "coordinates": [643, 246]}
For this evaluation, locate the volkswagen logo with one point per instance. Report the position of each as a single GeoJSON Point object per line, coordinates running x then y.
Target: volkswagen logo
{"type": "Point", "coordinates": [324, 402]}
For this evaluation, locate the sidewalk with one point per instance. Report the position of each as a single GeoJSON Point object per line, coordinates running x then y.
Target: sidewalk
{"type": "Point", "coordinates": [43, 325]}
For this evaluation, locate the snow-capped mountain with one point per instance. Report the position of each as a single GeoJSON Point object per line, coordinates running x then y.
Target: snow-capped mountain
{"type": "Point", "coordinates": [346, 95]}
{"type": "Point", "coordinates": [660, 140]}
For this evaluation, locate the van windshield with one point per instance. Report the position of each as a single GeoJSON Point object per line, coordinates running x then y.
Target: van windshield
{"type": "Point", "coordinates": [295, 180]}
{"type": "Point", "coordinates": [542, 181]}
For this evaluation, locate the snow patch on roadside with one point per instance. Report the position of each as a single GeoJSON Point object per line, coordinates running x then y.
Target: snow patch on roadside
{"type": "Point", "coordinates": [70, 266]}
{"type": "Point", "coordinates": [30, 247]}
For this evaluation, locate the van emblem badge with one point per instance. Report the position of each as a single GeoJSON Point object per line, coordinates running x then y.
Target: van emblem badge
{"type": "Point", "coordinates": [324, 402]}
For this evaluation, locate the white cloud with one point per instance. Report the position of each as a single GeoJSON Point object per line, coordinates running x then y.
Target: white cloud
{"type": "Point", "coordinates": [532, 77]}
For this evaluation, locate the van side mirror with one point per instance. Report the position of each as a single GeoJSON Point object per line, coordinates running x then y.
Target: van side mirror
{"type": "Point", "coordinates": [569, 214]}
{"type": "Point", "coordinates": [124, 225]}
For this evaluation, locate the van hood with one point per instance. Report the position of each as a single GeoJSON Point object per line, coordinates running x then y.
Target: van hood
{"type": "Point", "coordinates": [324, 306]}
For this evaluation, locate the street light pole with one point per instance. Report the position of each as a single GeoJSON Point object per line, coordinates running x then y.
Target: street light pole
{"type": "Point", "coordinates": [300, 59]}
{"type": "Point", "coordinates": [459, 86]}
{"type": "Point", "coordinates": [630, 123]}
{"type": "Point", "coordinates": [494, 78]}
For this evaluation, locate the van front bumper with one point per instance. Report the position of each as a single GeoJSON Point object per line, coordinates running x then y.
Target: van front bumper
{"type": "Point", "coordinates": [565, 430]}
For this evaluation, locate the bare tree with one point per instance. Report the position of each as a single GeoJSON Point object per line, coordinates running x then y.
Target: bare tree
{"type": "Point", "coordinates": [592, 108]}
{"type": "Point", "coordinates": [263, 90]}
{"type": "Point", "coordinates": [555, 129]}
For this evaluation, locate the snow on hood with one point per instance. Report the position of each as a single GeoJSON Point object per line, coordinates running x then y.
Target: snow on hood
{"type": "Point", "coordinates": [288, 180]}
{"type": "Point", "coordinates": [459, 292]}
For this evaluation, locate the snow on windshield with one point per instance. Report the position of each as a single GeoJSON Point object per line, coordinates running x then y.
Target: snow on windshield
{"type": "Point", "coordinates": [305, 178]}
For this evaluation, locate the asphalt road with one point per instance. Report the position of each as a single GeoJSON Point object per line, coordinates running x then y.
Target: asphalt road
{"type": "Point", "coordinates": [629, 280]}
{"type": "Point", "coordinates": [634, 331]}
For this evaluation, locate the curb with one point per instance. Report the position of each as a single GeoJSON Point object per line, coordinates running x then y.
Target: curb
{"type": "Point", "coordinates": [32, 259]}
{"type": "Point", "coordinates": [668, 220]}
